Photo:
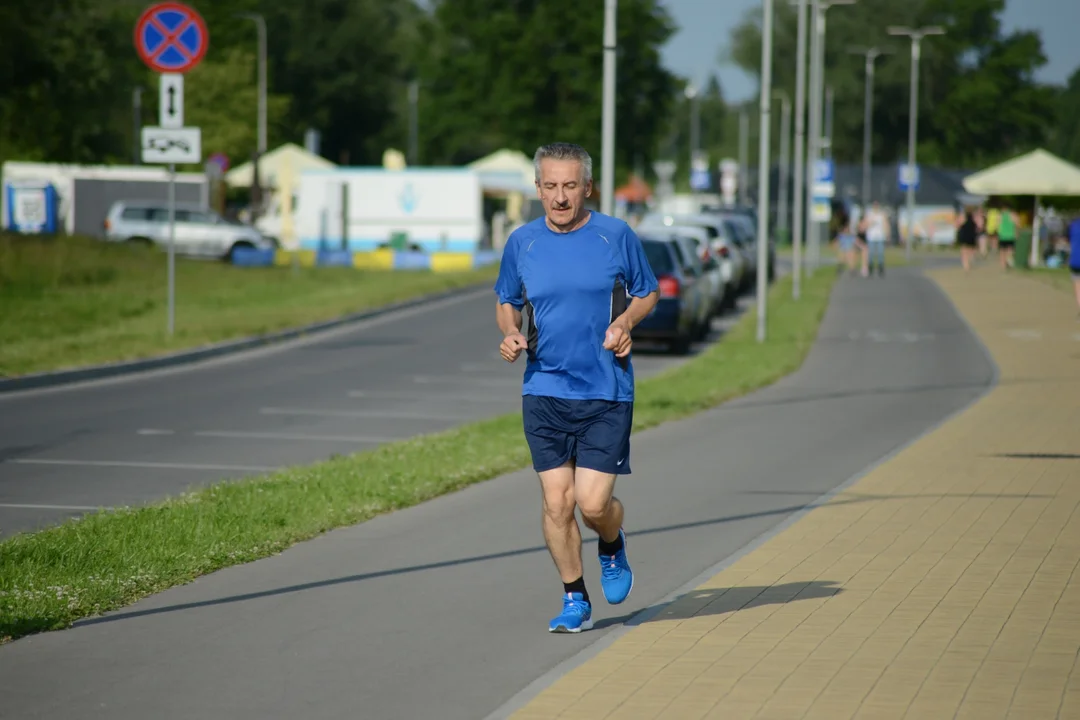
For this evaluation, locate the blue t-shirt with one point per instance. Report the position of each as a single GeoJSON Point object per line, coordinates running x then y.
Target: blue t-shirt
{"type": "Point", "coordinates": [571, 286]}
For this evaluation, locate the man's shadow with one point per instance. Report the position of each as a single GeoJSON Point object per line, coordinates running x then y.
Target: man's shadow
{"type": "Point", "coordinates": [721, 601]}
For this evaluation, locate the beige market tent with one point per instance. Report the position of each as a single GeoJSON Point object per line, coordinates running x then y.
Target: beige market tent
{"type": "Point", "coordinates": [507, 173]}
{"type": "Point", "coordinates": [289, 155]}
{"type": "Point", "coordinates": [505, 170]}
{"type": "Point", "coordinates": [1038, 173]}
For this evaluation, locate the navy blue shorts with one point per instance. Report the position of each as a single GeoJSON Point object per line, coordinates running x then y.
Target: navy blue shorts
{"type": "Point", "coordinates": [593, 433]}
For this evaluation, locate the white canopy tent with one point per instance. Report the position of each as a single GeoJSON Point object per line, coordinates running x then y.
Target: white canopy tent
{"type": "Point", "coordinates": [1037, 173]}
{"type": "Point", "coordinates": [289, 155]}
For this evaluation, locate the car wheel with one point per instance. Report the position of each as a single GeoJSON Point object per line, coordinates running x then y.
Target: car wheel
{"type": "Point", "coordinates": [140, 242]}
{"type": "Point", "coordinates": [702, 330]}
{"type": "Point", "coordinates": [681, 345]}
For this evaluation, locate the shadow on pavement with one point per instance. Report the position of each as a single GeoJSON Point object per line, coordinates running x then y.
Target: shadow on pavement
{"type": "Point", "coordinates": [720, 601]}
{"type": "Point", "coordinates": [843, 499]}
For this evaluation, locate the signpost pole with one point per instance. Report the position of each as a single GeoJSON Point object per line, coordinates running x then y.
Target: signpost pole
{"type": "Point", "coordinates": [172, 247]}
{"type": "Point", "coordinates": [172, 55]}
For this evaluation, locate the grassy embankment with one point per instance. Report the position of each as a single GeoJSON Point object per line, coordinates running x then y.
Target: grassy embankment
{"type": "Point", "coordinates": [72, 302]}
{"type": "Point", "coordinates": [112, 558]}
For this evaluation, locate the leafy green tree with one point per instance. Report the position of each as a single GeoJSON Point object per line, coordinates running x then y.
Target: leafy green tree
{"type": "Point", "coordinates": [1066, 135]}
{"type": "Point", "coordinates": [67, 70]}
{"type": "Point", "coordinates": [518, 74]}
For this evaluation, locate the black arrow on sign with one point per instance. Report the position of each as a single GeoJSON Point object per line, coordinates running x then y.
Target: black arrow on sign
{"type": "Point", "coordinates": [172, 100]}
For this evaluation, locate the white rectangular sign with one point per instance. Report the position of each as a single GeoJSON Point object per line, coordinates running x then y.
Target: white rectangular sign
{"type": "Point", "coordinates": [165, 145]}
{"type": "Point", "coordinates": [171, 101]}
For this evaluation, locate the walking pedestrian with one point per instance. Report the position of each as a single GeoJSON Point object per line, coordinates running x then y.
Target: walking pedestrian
{"type": "Point", "coordinates": [877, 235]}
{"type": "Point", "coordinates": [572, 285]}
{"type": "Point", "coordinates": [1007, 237]}
{"type": "Point", "coordinates": [846, 240]}
{"type": "Point", "coordinates": [967, 237]}
{"type": "Point", "coordinates": [993, 224]}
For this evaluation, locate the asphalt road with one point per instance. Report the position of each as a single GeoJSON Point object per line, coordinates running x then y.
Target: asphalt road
{"type": "Point", "coordinates": [66, 451]}
{"type": "Point", "coordinates": [440, 611]}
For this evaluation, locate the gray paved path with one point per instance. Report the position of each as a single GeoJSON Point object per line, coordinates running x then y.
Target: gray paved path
{"type": "Point", "coordinates": [128, 441]}
{"type": "Point", "coordinates": [440, 611]}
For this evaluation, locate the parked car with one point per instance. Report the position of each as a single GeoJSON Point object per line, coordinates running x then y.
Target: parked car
{"type": "Point", "coordinates": [683, 307]}
{"type": "Point", "coordinates": [696, 241]}
{"type": "Point", "coordinates": [720, 240]}
{"type": "Point", "coordinates": [745, 221]}
{"type": "Point", "coordinates": [199, 232]}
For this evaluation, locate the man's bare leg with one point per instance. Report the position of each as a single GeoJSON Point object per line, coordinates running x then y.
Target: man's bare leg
{"type": "Point", "coordinates": [561, 531]}
{"type": "Point", "coordinates": [601, 511]}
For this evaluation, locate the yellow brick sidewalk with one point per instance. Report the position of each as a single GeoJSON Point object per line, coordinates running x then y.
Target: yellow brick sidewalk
{"type": "Point", "coordinates": [940, 585]}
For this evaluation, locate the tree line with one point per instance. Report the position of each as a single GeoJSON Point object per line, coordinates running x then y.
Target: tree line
{"type": "Point", "coordinates": [978, 100]}
{"type": "Point", "coordinates": [508, 73]}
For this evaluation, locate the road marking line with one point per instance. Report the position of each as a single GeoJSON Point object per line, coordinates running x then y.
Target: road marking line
{"type": "Point", "coordinates": [153, 431]}
{"type": "Point", "coordinates": [361, 414]}
{"type": "Point", "coordinates": [295, 436]}
{"type": "Point", "coordinates": [30, 506]}
{"type": "Point", "coordinates": [137, 464]}
{"type": "Point", "coordinates": [454, 397]}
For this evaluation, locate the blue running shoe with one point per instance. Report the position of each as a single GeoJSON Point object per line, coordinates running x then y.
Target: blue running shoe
{"type": "Point", "coordinates": [616, 577]}
{"type": "Point", "coordinates": [576, 615]}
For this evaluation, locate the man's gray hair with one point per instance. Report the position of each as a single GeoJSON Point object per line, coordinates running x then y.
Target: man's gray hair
{"type": "Point", "coordinates": [563, 151]}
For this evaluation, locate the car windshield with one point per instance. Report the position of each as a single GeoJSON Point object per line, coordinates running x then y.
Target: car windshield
{"type": "Point", "coordinates": [659, 256]}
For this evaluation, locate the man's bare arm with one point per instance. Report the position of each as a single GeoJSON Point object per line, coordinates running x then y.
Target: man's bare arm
{"type": "Point", "coordinates": [638, 310]}
{"type": "Point", "coordinates": [508, 317]}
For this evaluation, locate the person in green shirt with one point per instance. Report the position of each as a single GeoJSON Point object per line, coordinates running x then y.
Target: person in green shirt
{"type": "Point", "coordinates": [1007, 237]}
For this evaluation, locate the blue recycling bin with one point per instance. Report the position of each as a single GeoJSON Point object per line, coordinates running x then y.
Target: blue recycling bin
{"type": "Point", "coordinates": [32, 207]}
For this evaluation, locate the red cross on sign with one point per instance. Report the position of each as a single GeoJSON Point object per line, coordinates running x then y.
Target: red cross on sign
{"type": "Point", "coordinates": [171, 37]}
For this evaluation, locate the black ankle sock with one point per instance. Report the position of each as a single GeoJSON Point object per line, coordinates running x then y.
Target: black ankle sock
{"type": "Point", "coordinates": [610, 548]}
{"type": "Point", "coordinates": [577, 586]}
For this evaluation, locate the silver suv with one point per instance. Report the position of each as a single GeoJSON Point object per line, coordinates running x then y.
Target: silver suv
{"type": "Point", "coordinates": [199, 232]}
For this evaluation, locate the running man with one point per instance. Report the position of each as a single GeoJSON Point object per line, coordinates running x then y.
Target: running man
{"type": "Point", "coordinates": [562, 292]}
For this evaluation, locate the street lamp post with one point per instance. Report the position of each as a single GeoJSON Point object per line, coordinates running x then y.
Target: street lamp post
{"type": "Point", "coordinates": [695, 123]}
{"type": "Point", "coordinates": [871, 54]}
{"type": "Point", "coordinates": [916, 35]}
{"type": "Point", "coordinates": [817, 90]}
{"type": "Point", "coordinates": [607, 130]}
{"type": "Point", "coordinates": [260, 25]}
{"type": "Point", "coordinates": [763, 167]}
{"type": "Point", "coordinates": [414, 140]}
{"type": "Point", "coordinates": [136, 109]}
{"type": "Point", "coordinates": [800, 157]}
{"type": "Point", "coordinates": [785, 160]}
{"type": "Point", "coordinates": [744, 156]}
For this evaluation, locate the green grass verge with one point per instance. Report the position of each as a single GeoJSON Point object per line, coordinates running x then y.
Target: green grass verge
{"type": "Point", "coordinates": [894, 256]}
{"type": "Point", "coordinates": [1059, 278]}
{"type": "Point", "coordinates": [109, 559]}
{"type": "Point", "coordinates": [70, 302]}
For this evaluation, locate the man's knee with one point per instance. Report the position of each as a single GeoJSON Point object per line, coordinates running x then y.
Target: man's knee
{"type": "Point", "coordinates": [594, 509]}
{"type": "Point", "coordinates": [594, 494]}
{"type": "Point", "coordinates": [558, 489]}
